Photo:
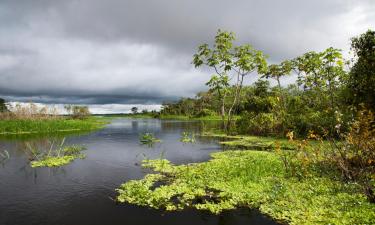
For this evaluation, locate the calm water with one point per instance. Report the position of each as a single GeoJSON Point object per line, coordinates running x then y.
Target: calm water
{"type": "Point", "coordinates": [82, 192]}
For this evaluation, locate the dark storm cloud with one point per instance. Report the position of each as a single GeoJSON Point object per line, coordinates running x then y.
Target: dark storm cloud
{"type": "Point", "coordinates": [136, 51]}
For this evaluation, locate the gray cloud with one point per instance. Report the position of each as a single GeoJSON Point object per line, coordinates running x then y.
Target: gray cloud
{"type": "Point", "coordinates": [138, 51]}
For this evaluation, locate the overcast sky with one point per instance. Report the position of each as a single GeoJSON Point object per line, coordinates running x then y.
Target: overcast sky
{"type": "Point", "coordinates": [139, 52]}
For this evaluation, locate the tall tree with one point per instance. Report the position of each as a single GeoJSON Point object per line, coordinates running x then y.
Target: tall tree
{"type": "Point", "coordinates": [361, 82]}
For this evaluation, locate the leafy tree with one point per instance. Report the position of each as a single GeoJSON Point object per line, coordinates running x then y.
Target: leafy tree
{"type": "Point", "coordinates": [276, 71]}
{"type": "Point", "coordinates": [361, 82]}
{"type": "Point", "coordinates": [228, 60]}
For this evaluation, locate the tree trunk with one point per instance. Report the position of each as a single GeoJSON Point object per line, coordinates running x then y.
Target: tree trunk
{"type": "Point", "coordinates": [236, 97]}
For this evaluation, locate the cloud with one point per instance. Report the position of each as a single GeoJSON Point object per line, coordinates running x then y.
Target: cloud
{"type": "Point", "coordinates": [137, 51]}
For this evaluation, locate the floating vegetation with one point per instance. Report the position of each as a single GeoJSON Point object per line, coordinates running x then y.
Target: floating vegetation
{"type": "Point", "coordinates": [148, 139]}
{"type": "Point", "coordinates": [251, 142]}
{"type": "Point", "coordinates": [187, 137]}
{"type": "Point", "coordinates": [60, 157]}
{"type": "Point", "coordinates": [53, 157]}
{"type": "Point", "coordinates": [254, 179]}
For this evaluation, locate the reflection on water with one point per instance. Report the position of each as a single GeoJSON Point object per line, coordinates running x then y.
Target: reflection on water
{"type": "Point", "coordinates": [82, 192]}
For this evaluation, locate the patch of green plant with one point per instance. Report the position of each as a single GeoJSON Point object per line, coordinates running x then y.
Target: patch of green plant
{"type": "Point", "coordinates": [187, 137]}
{"type": "Point", "coordinates": [254, 179]}
{"type": "Point", "coordinates": [148, 139]}
{"type": "Point", "coordinates": [30, 126]}
{"type": "Point", "coordinates": [54, 157]}
{"type": "Point", "coordinates": [251, 142]}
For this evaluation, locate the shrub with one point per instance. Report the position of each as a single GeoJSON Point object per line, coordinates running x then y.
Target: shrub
{"type": "Point", "coordinates": [258, 124]}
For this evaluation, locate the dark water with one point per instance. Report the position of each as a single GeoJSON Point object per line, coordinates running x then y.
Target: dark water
{"type": "Point", "coordinates": [81, 193]}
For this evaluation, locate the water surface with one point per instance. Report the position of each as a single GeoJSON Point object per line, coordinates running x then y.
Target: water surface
{"type": "Point", "coordinates": [82, 192]}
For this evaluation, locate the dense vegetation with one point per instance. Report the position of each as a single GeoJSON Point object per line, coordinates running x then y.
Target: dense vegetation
{"type": "Point", "coordinates": [324, 173]}
{"type": "Point", "coordinates": [327, 92]}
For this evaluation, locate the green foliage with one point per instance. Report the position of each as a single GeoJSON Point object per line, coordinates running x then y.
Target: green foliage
{"type": "Point", "coordinates": [226, 59]}
{"type": "Point", "coordinates": [361, 82]}
{"type": "Point", "coordinates": [60, 156]}
{"type": "Point", "coordinates": [258, 124]}
{"type": "Point", "coordinates": [53, 161]}
{"type": "Point", "coordinates": [249, 179]}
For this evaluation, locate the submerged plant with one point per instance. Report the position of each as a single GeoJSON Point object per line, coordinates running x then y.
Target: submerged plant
{"type": "Point", "coordinates": [148, 139]}
{"type": "Point", "coordinates": [187, 137]}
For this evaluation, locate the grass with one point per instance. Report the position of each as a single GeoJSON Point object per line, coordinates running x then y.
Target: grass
{"type": "Point", "coordinates": [30, 126]}
{"type": "Point", "coordinates": [254, 179]}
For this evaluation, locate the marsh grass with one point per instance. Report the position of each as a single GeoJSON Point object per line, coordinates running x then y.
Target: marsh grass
{"type": "Point", "coordinates": [254, 179]}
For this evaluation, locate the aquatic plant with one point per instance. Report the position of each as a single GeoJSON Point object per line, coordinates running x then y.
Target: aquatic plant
{"type": "Point", "coordinates": [148, 139]}
{"type": "Point", "coordinates": [187, 137]}
{"type": "Point", "coordinates": [59, 156]}
{"type": "Point", "coordinates": [251, 142]}
{"type": "Point", "coordinates": [254, 179]}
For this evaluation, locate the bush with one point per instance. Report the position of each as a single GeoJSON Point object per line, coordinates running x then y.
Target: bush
{"type": "Point", "coordinates": [205, 112]}
{"type": "Point", "coordinates": [258, 124]}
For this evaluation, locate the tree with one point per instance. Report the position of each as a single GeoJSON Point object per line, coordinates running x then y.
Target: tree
{"type": "Point", "coordinates": [276, 71]}
{"type": "Point", "coordinates": [320, 74]}
{"type": "Point", "coordinates": [134, 110]}
{"type": "Point", "coordinates": [3, 106]}
{"type": "Point", "coordinates": [361, 82]}
{"type": "Point", "coordinates": [227, 60]}
{"type": "Point", "coordinates": [80, 112]}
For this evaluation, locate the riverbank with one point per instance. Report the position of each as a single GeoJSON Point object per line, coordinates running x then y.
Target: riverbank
{"type": "Point", "coordinates": [30, 126]}
{"type": "Point", "coordinates": [254, 179]}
